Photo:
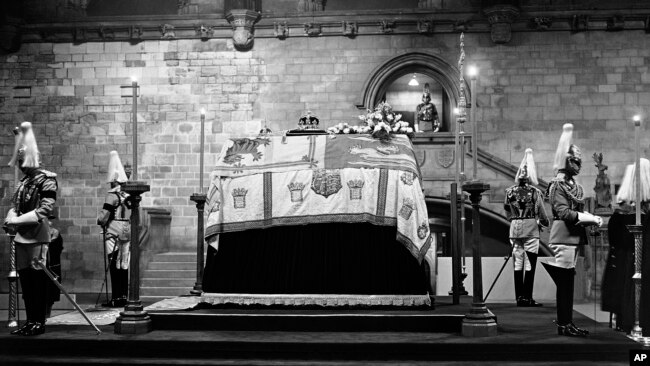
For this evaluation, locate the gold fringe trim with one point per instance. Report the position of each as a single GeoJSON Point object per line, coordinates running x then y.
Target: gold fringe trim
{"type": "Point", "coordinates": [316, 299]}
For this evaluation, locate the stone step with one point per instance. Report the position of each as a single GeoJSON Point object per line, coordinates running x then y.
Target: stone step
{"type": "Point", "coordinates": [167, 282]}
{"type": "Point", "coordinates": [148, 300]}
{"type": "Point", "coordinates": [165, 291]}
{"type": "Point", "coordinates": [172, 266]}
{"type": "Point", "coordinates": [175, 257]}
{"type": "Point", "coordinates": [163, 273]}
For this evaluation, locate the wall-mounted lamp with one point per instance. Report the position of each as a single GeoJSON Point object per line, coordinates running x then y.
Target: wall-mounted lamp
{"type": "Point", "coordinates": [413, 81]}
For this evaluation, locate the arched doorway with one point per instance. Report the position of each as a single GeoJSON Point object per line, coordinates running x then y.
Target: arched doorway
{"type": "Point", "coordinates": [386, 78]}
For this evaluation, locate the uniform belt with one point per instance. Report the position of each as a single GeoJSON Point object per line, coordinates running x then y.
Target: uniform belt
{"type": "Point", "coordinates": [523, 218]}
{"type": "Point", "coordinates": [121, 220]}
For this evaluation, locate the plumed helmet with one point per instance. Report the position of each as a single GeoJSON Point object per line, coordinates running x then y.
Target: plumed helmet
{"type": "Point", "coordinates": [527, 168]}
{"type": "Point", "coordinates": [26, 153]}
{"type": "Point", "coordinates": [627, 191]}
{"type": "Point", "coordinates": [566, 151]}
{"type": "Point", "coordinates": [115, 171]}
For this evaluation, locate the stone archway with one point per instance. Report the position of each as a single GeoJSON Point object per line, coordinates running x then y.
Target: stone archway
{"type": "Point", "coordinates": [415, 62]}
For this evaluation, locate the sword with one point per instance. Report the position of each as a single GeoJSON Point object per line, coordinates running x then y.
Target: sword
{"type": "Point", "coordinates": [498, 275]}
{"type": "Point", "coordinates": [13, 273]}
{"type": "Point", "coordinates": [51, 276]}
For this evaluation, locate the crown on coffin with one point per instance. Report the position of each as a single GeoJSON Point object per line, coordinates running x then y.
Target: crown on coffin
{"type": "Point", "coordinates": [239, 192]}
{"type": "Point", "coordinates": [296, 186]}
{"type": "Point", "coordinates": [355, 183]}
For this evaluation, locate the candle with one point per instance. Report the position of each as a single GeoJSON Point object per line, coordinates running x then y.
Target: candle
{"type": "Point", "coordinates": [134, 87]}
{"type": "Point", "coordinates": [201, 156]}
{"type": "Point", "coordinates": [417, 127]}
{"type": "Point", "coordinates": [637, 168]}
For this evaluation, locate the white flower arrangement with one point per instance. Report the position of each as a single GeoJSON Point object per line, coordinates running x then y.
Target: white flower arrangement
{"type": "Point", "coordinates": [381, 123]}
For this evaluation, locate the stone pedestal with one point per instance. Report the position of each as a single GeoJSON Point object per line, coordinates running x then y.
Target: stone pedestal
{"type": "Point", "coordinates": [134, 319]}
{"type": "Point", "coordinates": [479, 322]}
{"type": "Point", "coordinates": [200, 199]}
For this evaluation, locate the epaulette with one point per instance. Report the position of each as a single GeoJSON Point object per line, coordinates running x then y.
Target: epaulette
{"type": "Point", "coordinates": [48, 173]}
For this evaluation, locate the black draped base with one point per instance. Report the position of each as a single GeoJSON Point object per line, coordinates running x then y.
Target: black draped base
{"type": "Point", "coordinates": [330, 258]}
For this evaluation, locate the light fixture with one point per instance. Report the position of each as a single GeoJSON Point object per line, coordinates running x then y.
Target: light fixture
{"type": "Point", "coordinates": [636, 118]}
{"type": "Point", "coordinates": [414, 81]}
{"type": "Point", "coordinates": [472, 71]}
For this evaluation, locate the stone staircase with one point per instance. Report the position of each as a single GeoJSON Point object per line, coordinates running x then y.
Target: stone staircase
{"type": "Point", "coordinates": [168, 275]}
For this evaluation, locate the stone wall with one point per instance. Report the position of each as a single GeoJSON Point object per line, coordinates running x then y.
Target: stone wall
{"type": "Point", "coordinates": [526, 91]}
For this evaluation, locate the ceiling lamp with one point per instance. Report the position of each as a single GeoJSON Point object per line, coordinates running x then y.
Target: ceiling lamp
{"type": "Point", "coordinates": [414, 81]}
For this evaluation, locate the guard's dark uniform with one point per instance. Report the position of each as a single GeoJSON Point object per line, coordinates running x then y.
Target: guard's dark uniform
{"type": "Point", "coordinates": [525, 210]}
{"type": "Point", "coordinates": [33, 202]}
{"type": "Point", "coordinates": [113, 217]}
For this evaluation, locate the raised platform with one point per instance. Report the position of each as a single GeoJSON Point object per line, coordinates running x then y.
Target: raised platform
{"type": "Point", "coordinates": [260, 336]}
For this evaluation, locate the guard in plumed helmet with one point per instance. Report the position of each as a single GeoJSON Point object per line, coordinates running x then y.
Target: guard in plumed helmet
{"type": "Point", "coordinates": [32, 204]}
{"type": "Point", "coordinates": [114, 220]}
{"type": "Point", "coordinates": [568, 232]}
{"type": "Point", "coordinates": [524, 206]}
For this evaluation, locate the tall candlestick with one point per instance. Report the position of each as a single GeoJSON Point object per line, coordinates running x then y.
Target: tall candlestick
{"type": "Point", "coordinates": [637, 170]}
{"type": "Point", "coordinates": [134, 86]}
{"type": "Point", "coordinates": [473, 72]}
{"type": "Point", "coordinates": [201, 156]}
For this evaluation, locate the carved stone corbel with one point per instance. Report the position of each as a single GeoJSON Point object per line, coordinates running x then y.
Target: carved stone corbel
{"type": "Point", "coordinates": [313, 29]}
{"type": "Point", "coordinates": [106, 34]}
{"type": "Point", "coordinates": [79, 35]}
{"type": "Point", "coordinates": [167, 31]}
{"type": "Point", "coordinates": [204, 32]}
{"type": "Point", "coordinates": [501, 18]}
{"type": "Point", "coordinates": [349, 29]}
{"type": "Point", "coordinates": [616, 23]}
{"type": "Point", "coordinates": [579, 23]}
{"type": "Point", "coordinates": [461, 26]}
{"type": "Point", "coordinates": [281, 30]}
{"type": "Point", "coordinates": [425, 26]}
{"type": "Point", "coordinates": [541, 23]}
{"type": "Point", "coordinates": [135, 34]}
{"type": "Point", "coordinates": [242, 22]}
{"type": "Point", "coordinates": [386, 26]}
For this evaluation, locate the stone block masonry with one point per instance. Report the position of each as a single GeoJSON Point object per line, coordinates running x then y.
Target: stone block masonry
{"type": "Point", "coordinates": [526, 91]}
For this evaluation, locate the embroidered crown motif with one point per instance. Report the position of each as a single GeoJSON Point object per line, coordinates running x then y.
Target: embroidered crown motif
{"type": "Point", "coordinates": [355, 183]}
{"type": "Point", "coordinates": [238, 192]}
{"type": "Point", "coordinates": [408, 206]}
{"type": "Point", "coordinates": [295, 186]}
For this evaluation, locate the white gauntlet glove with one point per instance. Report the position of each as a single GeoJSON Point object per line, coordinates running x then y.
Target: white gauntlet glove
{"type": "Point", "coordinates": [586, 219]}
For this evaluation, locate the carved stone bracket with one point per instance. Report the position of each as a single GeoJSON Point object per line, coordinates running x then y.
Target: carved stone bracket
{"type": "Point", "coordinates": [541, 23]}
{"type": "Point", "coordinates": [461, 26]}
{"type": "Point", "coordinates": [167, 31]}
{"type": "Point", "coordinates": [349, 29]}
{"type": "Point", "coordinates": [242, 22]}
{"type": "Point", "coordinates": [106, 34]}
{"type": "Point", "coordinates": [313, 29]}
{"type": "Point", "coordinates": [79, 35]}
{"type": "Point", "coordinates": [204, 32]}
{"type": "Point", "coordinates": [425, 26]}
{"type": "Point", "coordinates": [386, 26]}
{"type": "Point", "coordinates": [281, 30]}
{"type": "Point", "coordinates": [579, 23]}
{"type": "Point", "coordinates": [501, 18]}
{"type": "Point", "coordinates": [616, 23]}
{"type": "Point", "coordinates": [135, 34]}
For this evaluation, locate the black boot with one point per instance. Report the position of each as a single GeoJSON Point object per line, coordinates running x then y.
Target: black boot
{"type": "Point", "coordinates": [519, 285]}
{"type": "Point", "coordinates": [34, 329]}
{"type": "Point", "coordinates": [529, 281]}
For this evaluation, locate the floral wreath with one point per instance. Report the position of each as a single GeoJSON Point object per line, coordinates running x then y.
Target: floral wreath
{"type": "Point", "coordinates": [381, 123]}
